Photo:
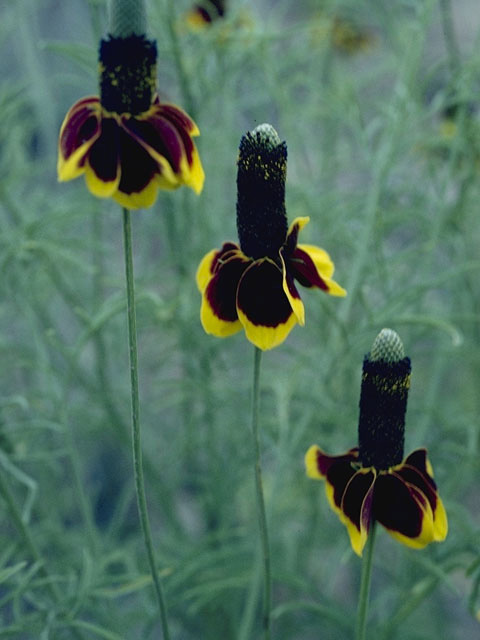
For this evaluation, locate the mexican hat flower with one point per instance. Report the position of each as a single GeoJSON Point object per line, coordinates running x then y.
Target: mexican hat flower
{"type": "Point", "coordinates": [373, 482]}
{"type": "Point", "coordinates": [251, 285]}
{"type": "Point", "coordinates": [205, 13]}
{"type": "Point", "coordinates": [127, 142]}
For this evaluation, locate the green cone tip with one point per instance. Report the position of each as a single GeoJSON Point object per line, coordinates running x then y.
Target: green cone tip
{"type": "Point", "coordinates": [387, 346]}
{"type": "Point", "coordinates": [267, 135]}
{"type": "Point", "coordinates": [127, 17]}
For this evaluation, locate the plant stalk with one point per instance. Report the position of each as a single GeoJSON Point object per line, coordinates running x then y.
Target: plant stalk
{"type": "Point", "coordinates": [136, 436]}
{"type": "Point", "coordinates": [363, 596]}
{"type": "Point", "coordinates": [28, 540]}
{"type": "Point", "coordinates": [262, 517]}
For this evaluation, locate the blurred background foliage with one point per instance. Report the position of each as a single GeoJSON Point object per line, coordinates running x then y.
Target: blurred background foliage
{"type": "Point", "coordinates": [378, 103]}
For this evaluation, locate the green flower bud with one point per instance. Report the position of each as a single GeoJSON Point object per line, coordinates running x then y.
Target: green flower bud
{"type": "Point", "coordinates": [127, 18]}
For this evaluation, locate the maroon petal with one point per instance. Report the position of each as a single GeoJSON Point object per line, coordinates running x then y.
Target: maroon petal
{"type": "Point", "coordinates": [303, 269]}
{"type": "Point", "coordinates": [291, 290]}
{"type": "Point", "coordinates": [326, 462]}
{"type": "Point", "coordinates": [356, 503]}
{"type": "Point", "coordinates": [261, 297]}
{"type": "Point", "coordinates": [338, 472]}
{"type": "Point", "coordinates": [138, 167]}
{"type": "Point", "coordinates": [398, 507]}
{"type": "Point", "coordinates": [228, 250]}
{"type": "Point", "coordinates": [221, 292]}
{"type": "Point", "coordinates": [103, 156]}
{"type": "Point", "coordinates": [419, 480]}
{"type": "Point", "coordinates": [161, 136]}
{"type": "Point", "coordinates": [184, 133]}
{"type": "Point", "coordinates": [292, 237]}
{"type": "Point", "coordinates": [81, 124]}
{"type": "Point", "coordinates": [418, 459]}
{"type": "Point", "coordinates": [178, 117]}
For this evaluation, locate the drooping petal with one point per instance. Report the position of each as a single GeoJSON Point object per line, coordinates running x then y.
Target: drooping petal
{"type": "Point", "coordinates": [210, 262]}
{"type": "Point", "coordinates": [415, 478]}
{"type": "Point", "coordinates": [203, 14]}
{"type": "Point", "coordinates": [190, 164]}
{"type": "Point", "coordinates": [218, 312]}
{"type": "Point", "coordinates": [138, 200]}
{"type": "Point", "coordinates": [182, 119]}
{"type": "Point", "coordinates": [161, 141]}
{"type": "Point", "coordinates": [262, 306]}
{"type": "Point", "coordinates": [80, 129]}
{"type": "Point", "coordinates": [292, 236]}
{"type": "Point", "coordinates": [417, 471]}
{"type": "Point", "coordinates": [440, 521]}
{"type": "Point", "coordinates": [170, 145]}
{"type": "Point", "coordinates": [403, 510]}
{"type": "Point", "coordinates": [356, 507]}
{"type": "Point", "coordinates": [191, 169]}
{"type": "Point", "coordinates": [320, 259]}
{"type": "Point", "coordinates": [102, 167]}
{"type": "Point", "coordinates": [337, 471]}
{"type": "Point", "coordinates": [291, 292]}
{"type": "Point", "coordinates": [312, 267]}
{"type": "Point", "coordinates": [420, 461]}
{"type": "Point", "coordinates": [197, 18]}
{"type": "Point", "coordinates": [138, 186]}
{"type": "Point", "coordinates": [196, 178]}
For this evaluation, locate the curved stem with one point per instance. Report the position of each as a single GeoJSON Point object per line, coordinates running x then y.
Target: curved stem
{"type": "Point", "coordinates": [28, 540]}
{"type": "Point", "coordinates": [365, 586]}
{"type": "Point", "coordinates": [84, 505]}
{"type": "Point", "coordinates": [262, 517]}
{"type": "Point", "coordinates": [451, 45]}
{"type": "Point", "coordinates": [179, 62]}
{"type": "Point", "coordinates": [29, 543]}
{"type": "Point", "coordinates": [136, 439]}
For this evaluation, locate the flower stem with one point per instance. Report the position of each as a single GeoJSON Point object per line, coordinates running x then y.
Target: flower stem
{"type": "Point", "coordinates": [178, 59]}
{"type": "Point", "coordinates": [453, 53]}
{"type": "Point", "coordinates": [28, 540]}
{"type": "Point", "coordinates": [262, 517]}
{"type": "Point", "coordinates": [365, 586]}
{"type": "Point", "coordinates": [136, 440]}
{"type": "Point", "coordinates": [29, 544]}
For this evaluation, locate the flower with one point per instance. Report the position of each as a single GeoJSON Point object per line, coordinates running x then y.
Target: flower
{"type": "Point", "coordinates": [128, 143]}
{"type": "Point", "coordinates": [251, 285]}
{"type": "Point", "coordinates": [349, 38]}
{"type": "Point", "coordinates": [345, 35]}
{"type": "Point", "coordinates": [204, 13]}
{"type": "Point", "coordinates": [216, 13]}
{"type": "Point", "coordinates": [372, 482]}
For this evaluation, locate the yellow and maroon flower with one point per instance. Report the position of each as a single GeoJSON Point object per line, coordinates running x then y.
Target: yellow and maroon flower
{"type": "Point", "coordinates": [128, 143]}
{"type": "Point", "coordinates": [252, 285]}
{"type": "Point", "coordinates": [204, 13]}
{"type": "Point", "coordinates": [371, 482]}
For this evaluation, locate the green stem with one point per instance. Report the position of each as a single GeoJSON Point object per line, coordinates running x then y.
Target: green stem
{"type": "Point", "coordinates": [28, 541]}
{"type": "Point", "coordinates": [451, 45]}
{"type": "Point", "coordinates": [248, 615]}
{"type": "Point", "coordinates": [178, 59]}
{"type": "Point", "coordinates": [408, 607]}
{"type": "Point", "coordinates": [101, 353]}
{"type": "Point", "coordinates": [136, 439]}
{"type": "Point", "coordinates": [365, 586]}
{"type": "Point", "coordinates": [262, 517]}
{"type": "Point", "coordinates": [84, 504]}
